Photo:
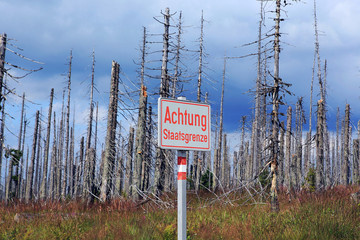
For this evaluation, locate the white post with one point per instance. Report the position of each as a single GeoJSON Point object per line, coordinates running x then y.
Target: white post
{"type": "Point", "coordinates": [181, 220]}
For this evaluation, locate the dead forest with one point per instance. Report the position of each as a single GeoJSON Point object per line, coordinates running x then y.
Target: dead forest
{"type": "Point", "coordinates": [275, 150]}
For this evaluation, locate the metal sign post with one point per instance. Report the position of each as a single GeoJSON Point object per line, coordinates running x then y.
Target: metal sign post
{"type": "Point", "coordinates": [183, 125]}
{"type": "Point", "coordinates": [181, 195]}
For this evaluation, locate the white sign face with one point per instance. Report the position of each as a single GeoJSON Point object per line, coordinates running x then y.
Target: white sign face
{"type": "Point", "coordinates": [184, 125]}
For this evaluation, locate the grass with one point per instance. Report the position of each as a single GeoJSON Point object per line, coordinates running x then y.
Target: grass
{"type": "Point", "coordinates": [326, 215]}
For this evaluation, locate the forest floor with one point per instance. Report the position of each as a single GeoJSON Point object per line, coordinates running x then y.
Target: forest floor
{"type": "Point", "coordinates": [327, 215]}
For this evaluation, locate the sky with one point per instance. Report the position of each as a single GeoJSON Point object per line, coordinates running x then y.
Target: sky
{"type": "Point", "coordinates": [48, 30]}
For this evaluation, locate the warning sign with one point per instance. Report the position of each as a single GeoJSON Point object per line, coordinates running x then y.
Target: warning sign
{"type": "Point", "coordinates": [184, 125]}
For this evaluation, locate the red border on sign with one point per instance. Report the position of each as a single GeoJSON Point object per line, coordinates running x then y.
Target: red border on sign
{"type": "Point", "coordinates": [189, 103]}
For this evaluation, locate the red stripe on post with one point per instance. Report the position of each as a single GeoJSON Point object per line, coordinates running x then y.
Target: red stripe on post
{"type": "Point", "coordinates": [181, 175]}
{"type": "Point", "coordinates": [181, 160]}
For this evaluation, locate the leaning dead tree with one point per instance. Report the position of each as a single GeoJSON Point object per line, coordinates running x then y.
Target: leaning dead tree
{"type": "Point", "coordinates": [110, 147]}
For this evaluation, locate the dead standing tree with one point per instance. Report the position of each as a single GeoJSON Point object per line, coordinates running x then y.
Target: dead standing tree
{"type": "Point", "coordinates": [345, 168]}
{"type": "Point", "coordinates": [140, 151]}
{"type": "Point", "coordinates": [66, 170]}
{"type": "Point", "coordinates": [160, 165]}
{"type": "Point", "coordinates": [275, 114]}
{"type": "Point", "coordinates": [110, 147]}
{"type": "Point", "coordinates": [89, 165]}
{"type": "Point", "coordinates": [197, 160]}
{"type": "Point", "coordinates": [217, 159]}
{"type": "Point", "coordinates": [30, 173]}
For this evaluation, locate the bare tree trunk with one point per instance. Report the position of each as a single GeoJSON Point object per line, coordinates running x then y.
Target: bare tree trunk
{"type": "Point", "coordinates": [43, 187]}
{"type": "Point", "coordinates": [72, 160]}
{"type": "Point", "coordinates": [30, 173]}
{"type": "Point", "coordinates": [60, 150]}
{"type": "Point", "coordinates": [146, 177]}
{"type": "Point", "coordinates": [37, 163]}
{"type": "Point", "coordinates": [218, 160]}
{"type": "Point", "coordinates": [129, 163]}
{"type": "Point", "coordinates": [3, 40]}
{"type": "Point", "coordinates": [256, 147]}
{"type": "Point", "coordinates": [320, 181]}
{"type": "Point", "coordinates": [247, 165]}
{"type": "Point", "coordinates": [345, 171]}
{"type": "Point", "coordinates": [337, 149]}
{"type": "Point", "coordinates": [53, 164]}
{"type": "Point", "coordinates": [275, 115]}
{"type": "Point", "coordinates": [288, 160]}
{"type": "Point", "coordinates": [160, 164]}
{"type": "Point", "coordinates": [2, 135]}
{"type": "Point", "coordinates": [66, 174]}
{"type": "Point", "coordinates": [110, 148]}
{"type": "Point", "coordinates": [241, 171]}
{"type": "Point", "coordinates": [281, 154]}
{"type": "Point", "coordinates": [18, 164]}
{"type": "Point", "coordinates": [21, 179]}
{"type": "Point", "coordinates": [119, 160]}
{"type": "Point", "coordinates": [140, 156]}
{"type": "Point", "coordinates": [87, 165]}
{"type": "Point", "coordinates": [356, 162]}
{"type": "Point", "coordinates": [225, 165]}
{"type": "Point", "coordinates": [327, 160]}
{"type": "Point", "coordinates": [80, 174]}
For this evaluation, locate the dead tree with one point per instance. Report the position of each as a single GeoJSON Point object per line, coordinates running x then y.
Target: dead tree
{"type": "Point", "coordinates": [21, 180]}
{"type": "Point", "coordinates": [38, 162]}
{"type": "Point", "coordinates": [255, 144]}
{"type": "Point", "coordinates": [241, 162]}
{"type": "Point", "coordinates": [288, 160]}
{"type": "Point", "coordinates": [2, 138]}
{"type": "Point", "coordinates": [336, 169]}
{"type": "Point", "coordinates": [345, 169]}
{"type": "Point", "coordinates": [129, 163]}
{"type": "Point", "coordinates": [53, 166]}
{"type": "Point", "coordinates": [66, 175]}
{"type": "Point", "coordinates": [356, 162]}
{"type": "Point", "coordinates": [148, 146]}
{"type": "Point", "coordinates": [43, 187]}
{"type": "Point", "coordinates": [60, 152]}
{"type": "Point", "coordinates": [217, 161]}
{"type": "Point", "coordinates": [18, 177]}
{"type": "Point", "coordinates": [3, 39]}
{"type": "Point", "coordinates": [80, 173]}
{"type": "Point", "coordinates": [160, 164]}
{"type": "Point", "coordinates": [140, 142]}
{"type": "Point", "coordinates": [300, 120]}
{"type": "Point", "coordinates": [197, 160]}
{"type": "Point", "coordinates": [281, 154]}
{"type": "Point", "coordinates": [320, 178]}
{"type": "Point", "coordinates": [88, 179]}
{"type": "Point", "coordinates": [110, 148]}
{"type": "Point", "coordinates": [140, 151]}
{"type": "Point", "coordinates": [30, 173]}
{"type": "Point", "coordinates": [275, 115]}
{"type": "Point", "coordinates": [225, 171]}
{"type": "Point", "coordinates": [119, 163]}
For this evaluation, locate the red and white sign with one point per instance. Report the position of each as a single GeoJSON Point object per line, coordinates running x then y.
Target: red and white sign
{"type": "Point", "coordinates": [184, 125]}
